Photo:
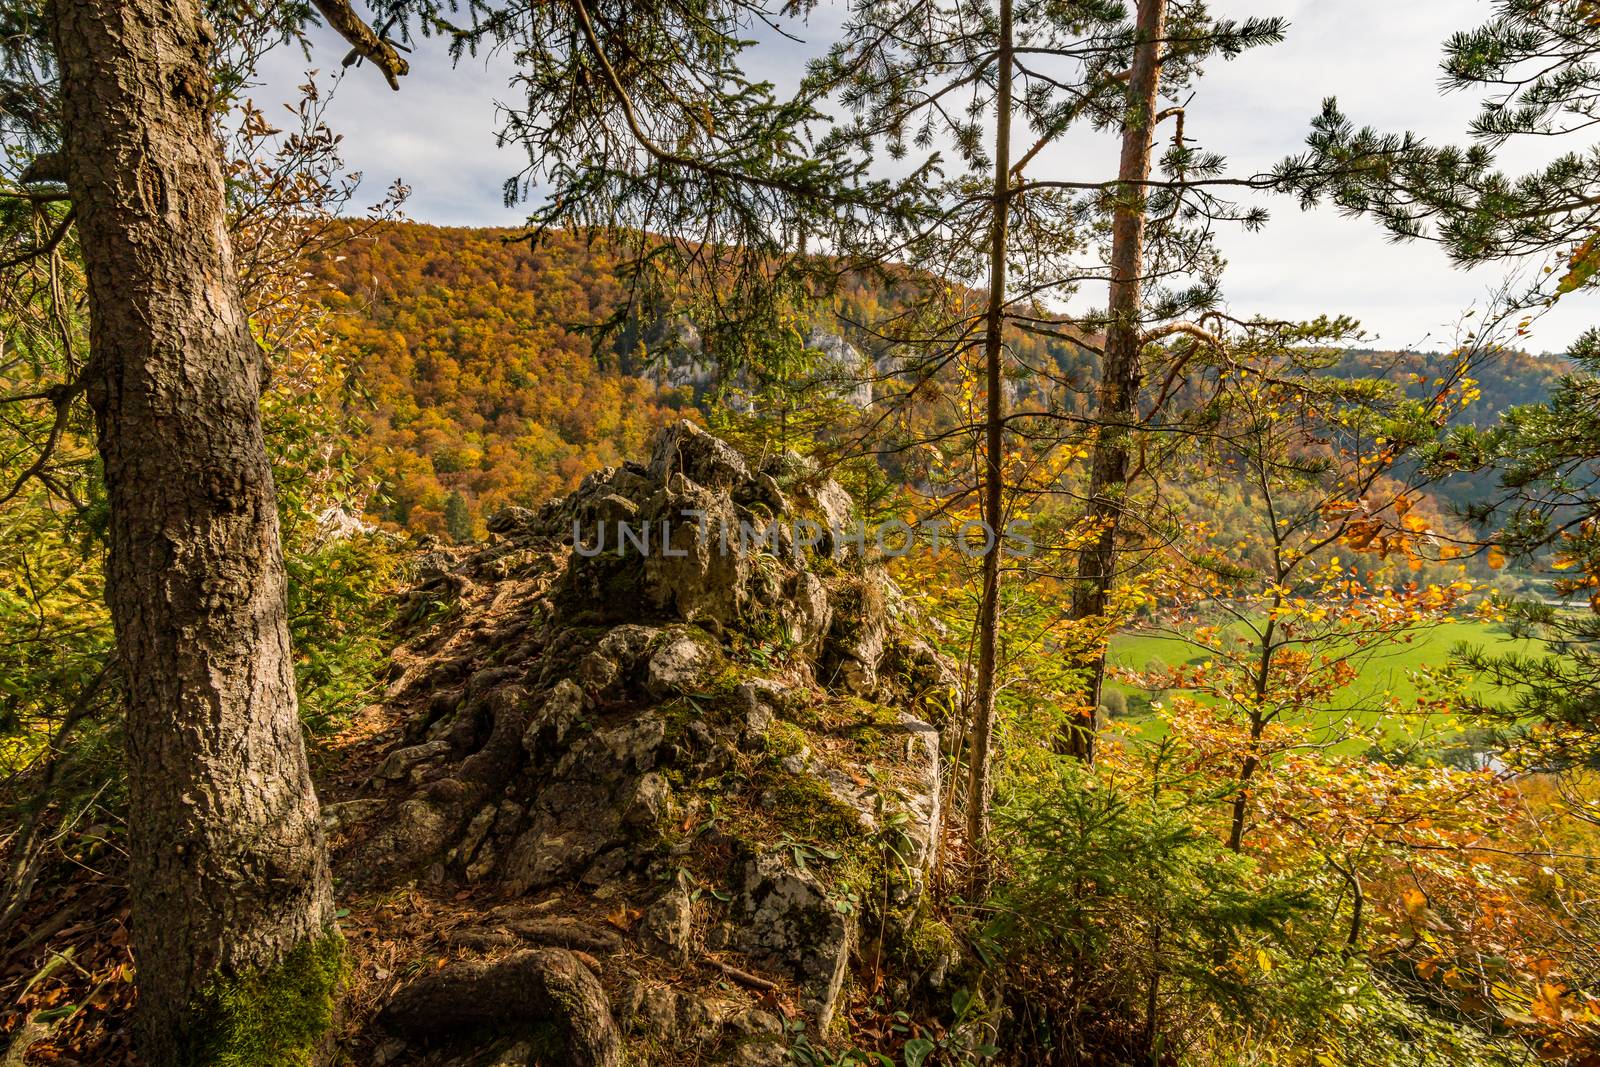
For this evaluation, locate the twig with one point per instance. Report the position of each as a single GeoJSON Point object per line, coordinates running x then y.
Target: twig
{"type": "Point", "coordinates": [46, 248]}
{"type": "Point", "coordinates": [755, 981]}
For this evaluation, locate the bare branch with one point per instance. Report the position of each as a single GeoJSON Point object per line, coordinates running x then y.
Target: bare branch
{"type": "Point", "coordinates": [1197, 332]}
{"type": "Point", "coordinates": [61, 398]}
{"type": "Point", "coordinates": [43, 249]}
{"type": "Point", "coordinates": [44, 167]}
{"type": "Point", "coordinates": [364, 43]}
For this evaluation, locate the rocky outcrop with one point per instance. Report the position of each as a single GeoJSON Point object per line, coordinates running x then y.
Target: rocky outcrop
{"type": "Point", "coordinates": [697, 739]}
{"type": "Point", "coordinates": [843, 369]}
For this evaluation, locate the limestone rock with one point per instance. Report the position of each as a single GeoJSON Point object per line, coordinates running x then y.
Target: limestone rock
{"type": "Point", "coordinates": [606, 868]}
{"type": "Point", "coordinates": [859, 634]}
{"type": "Point", "coordinates": [668, 925]}
{"type": "Point", "coordinates": [836, 508]}
{"type": "Point", "coordinates": [753, 1021]}
{"type": "Point", "coordinates": [697, 574]}
{"type": "Point", "coordinates": [678, 665]}
{"type": "Point", "coordinates": [512, 520]}
{"type": "Point", "coordinates": [765, 1051]}
{"type": "Point", "coordinates": [787, 921]}
{"type": "Point", "coordinates": [686, 449]}
{"type": "Point", "coordinates": [760, 699]}
{"type": "Point", "coordinates": [616, 657]}
{"type": "Point", "coordinates": [562, 708]}
{"type": "Point", "coordinates": [805, 609]}
{"type": "Point", "coordinates": [925, 673]}
{"type": "Point", "coordinates": [633, 746]}
{"type": "Point", "coordinates": [922, 756]}
{"type": "Point", "coordinates": [649, 1008]}
{"type": "Point", "coordinates": [436, 564]}
{"type": "Point", "coordinates": [651, 798]}
{"type": "Point", "coordinates": [420, 827]}
{"type": "Point", "coordinates": [700, 1020]}
{"type": "Point", "coordinates": [548, 747]}
{"type": "Point", "coordinates": [611, 509]}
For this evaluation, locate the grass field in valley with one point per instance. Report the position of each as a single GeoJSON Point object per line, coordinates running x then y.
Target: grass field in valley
{"type": "Point", "coordinates": [1391, 671]}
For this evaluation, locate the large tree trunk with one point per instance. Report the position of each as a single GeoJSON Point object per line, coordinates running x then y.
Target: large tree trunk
{"type": "Point", "coordinates": [229, 872]}
{"type": "Point", "coordinates": [980, 786]}
{"type": "Point", "coordinates": [1120, 366]}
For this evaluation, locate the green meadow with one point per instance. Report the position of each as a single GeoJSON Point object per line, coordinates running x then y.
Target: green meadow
{"type": "Point", "coordinates": [1391, 672]}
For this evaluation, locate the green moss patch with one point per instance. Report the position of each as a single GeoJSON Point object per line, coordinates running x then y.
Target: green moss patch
{"type": "Point", "coordinates": [273, 1017]}
{"type": "Point", "coordinates": [803, 807]}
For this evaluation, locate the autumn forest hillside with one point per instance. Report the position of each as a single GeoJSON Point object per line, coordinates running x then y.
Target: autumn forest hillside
{"type": "Point", "coordinates": [480, 382]}
{"type": "Point", "coordinates": [857, 576]}
{"type": "Point", "coordinates": [483, 381]}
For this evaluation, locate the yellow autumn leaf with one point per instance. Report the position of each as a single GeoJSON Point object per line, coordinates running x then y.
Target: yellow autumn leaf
{"type": "Point", "coordinates": [1547, 1005]}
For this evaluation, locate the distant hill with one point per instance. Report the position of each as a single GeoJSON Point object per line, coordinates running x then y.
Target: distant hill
{"type": "Point", "coordinates": [487, 389]}
{"type": "Point", "coordinates": [1508, 379]}
{"type": "Point", "coordinates": [482, 385]}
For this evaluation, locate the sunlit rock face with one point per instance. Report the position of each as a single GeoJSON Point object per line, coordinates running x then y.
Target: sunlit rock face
{"type": "Point", "coordinates": [698, 738]}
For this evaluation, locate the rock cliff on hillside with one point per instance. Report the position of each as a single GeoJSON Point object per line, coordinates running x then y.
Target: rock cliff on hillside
{"type": "Point", "coordinates": [842, 371]}
{"type": "Point", "coordinates": [686, 782]}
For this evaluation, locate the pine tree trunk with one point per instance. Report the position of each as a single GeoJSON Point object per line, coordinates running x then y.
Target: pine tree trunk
{"type": "Point", "coordinates": [229, 872]}
{"type": "Point", "coordinates": [1120, 366]}
{"type": "Point", "coordinates": [980, 785]}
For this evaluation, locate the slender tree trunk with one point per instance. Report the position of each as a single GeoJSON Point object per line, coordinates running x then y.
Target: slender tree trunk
{"type": "Point", "coordinates": [1152, 1000]}
{"type": "Point", "coordinates": [1120, 366]}
{"type": "Point", "coordinates": [1239, 816]}
{"type": "Point", "coordinates": [1239, 819]}
{"type": "Point", "coordinates": [229, 872]}
{"type": "Point", "coordinates": [981, 785]}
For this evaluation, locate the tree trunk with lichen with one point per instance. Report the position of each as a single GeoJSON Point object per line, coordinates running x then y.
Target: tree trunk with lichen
{"type": "Point", "coordinates": [229, 872]}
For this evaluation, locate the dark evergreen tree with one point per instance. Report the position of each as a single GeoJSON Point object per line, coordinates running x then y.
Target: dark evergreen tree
{"type": "Point", "coordinates": [1546, 515]}
{"type": "Point", "coordinates": [457, 518]}
{"type": "Point", "coordinates": [1537, 65]}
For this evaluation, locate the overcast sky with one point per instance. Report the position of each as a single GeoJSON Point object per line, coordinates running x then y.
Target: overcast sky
{"type": "Point", "coordinates": [1379, 57]}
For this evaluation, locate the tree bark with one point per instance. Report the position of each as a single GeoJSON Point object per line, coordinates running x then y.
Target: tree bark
{"type": "Point", "coordinates": [1239, 819]}
{"type": "Point", "coordinates": [980, 785]}
{"type": "Point", "coordinates": [1120, 368]}
{"type": "Point", "coordinates": [228, 866]}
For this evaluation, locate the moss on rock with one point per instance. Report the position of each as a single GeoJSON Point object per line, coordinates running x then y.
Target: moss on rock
{"type": "Point", "coordinates": [802, 806]}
